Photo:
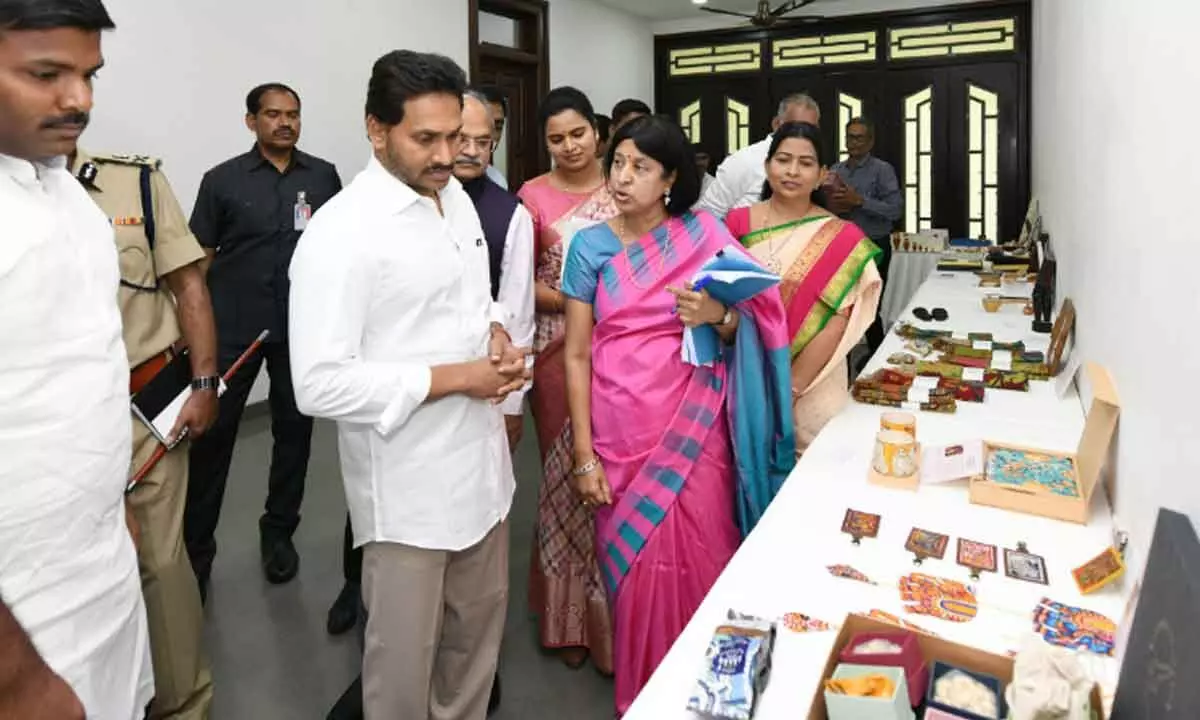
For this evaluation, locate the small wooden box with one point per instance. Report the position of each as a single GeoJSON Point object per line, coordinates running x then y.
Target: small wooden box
{"type": "Point", "coordinates": [1087, 461]}
{"type": "Point", "coordinates": [916, 672]}
{"type": "Point", "coordinates": [845, 707]}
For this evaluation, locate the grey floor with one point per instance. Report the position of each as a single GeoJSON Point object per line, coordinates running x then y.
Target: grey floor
{"type": "Point", "coordinates": [271, 656]}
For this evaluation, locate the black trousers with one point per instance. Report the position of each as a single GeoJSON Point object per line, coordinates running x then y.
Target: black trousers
{"type": "Point", "coordinates": [211, 456]}
{"type": "Point", "coordinates": [876, 333]}
{"type": "Point", "coordinates": [352, 557]}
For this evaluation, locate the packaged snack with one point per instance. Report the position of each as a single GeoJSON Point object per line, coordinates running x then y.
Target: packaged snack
{"type": "Point", "coordinates": [735, 669]}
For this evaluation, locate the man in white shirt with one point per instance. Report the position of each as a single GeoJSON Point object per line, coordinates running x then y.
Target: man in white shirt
{"type": "Point", "coordinates": [73, 635]}
{"type": "Point", "coordinates": [396, 337]}
{"type": "Point", "coordinates": [740, 176]}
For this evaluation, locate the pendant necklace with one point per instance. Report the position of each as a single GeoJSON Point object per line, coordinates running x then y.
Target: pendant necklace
{"type": "Point", "coordinates": [773, 263]}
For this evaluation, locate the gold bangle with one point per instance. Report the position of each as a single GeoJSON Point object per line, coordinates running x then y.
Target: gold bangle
{"type": "Point", "coordinates": [586, 469]}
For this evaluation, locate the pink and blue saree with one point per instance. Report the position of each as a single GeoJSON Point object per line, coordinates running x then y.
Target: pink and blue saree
{"type": "Point", "coordinates": [692, 454]}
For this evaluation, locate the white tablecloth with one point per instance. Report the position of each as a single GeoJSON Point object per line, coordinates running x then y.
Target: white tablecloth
{"type": "Point", "coordinates": [906, 273]}
{"type": "Point", "coordinates": [781, 567]}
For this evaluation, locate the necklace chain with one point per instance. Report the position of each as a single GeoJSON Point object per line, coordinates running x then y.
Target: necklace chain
{"type": "Point", "coordinates": [774, 264]}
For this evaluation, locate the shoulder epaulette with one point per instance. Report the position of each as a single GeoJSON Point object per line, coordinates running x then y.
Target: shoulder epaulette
{"type": "Point", "coordinates": [120, 159]}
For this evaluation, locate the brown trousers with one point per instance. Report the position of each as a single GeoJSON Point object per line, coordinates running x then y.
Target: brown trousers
{"type": "Point", "coordinates": [434, 624]}
{"type": "Point", "coordinates": [182, 680]}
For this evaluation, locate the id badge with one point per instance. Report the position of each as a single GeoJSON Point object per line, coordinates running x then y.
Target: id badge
{"type": "Point", "coordinates": [301, 215]}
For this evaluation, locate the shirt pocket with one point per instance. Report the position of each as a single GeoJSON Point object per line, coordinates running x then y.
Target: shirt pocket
{"type": "Point", "coordinates": [133, 254]}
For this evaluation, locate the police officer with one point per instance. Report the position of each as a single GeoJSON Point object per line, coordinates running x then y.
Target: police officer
{"type": "Point", "coordinates": [164, 307]}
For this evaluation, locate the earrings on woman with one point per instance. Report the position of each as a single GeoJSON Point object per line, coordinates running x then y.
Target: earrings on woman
{"type": "Point", "coordinates": [667, 196]}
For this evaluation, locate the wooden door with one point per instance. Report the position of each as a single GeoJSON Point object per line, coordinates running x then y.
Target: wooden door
{"type": "Point", "coordinates": [522, 146]}
{"type": "Point", "coordinates": [721, 116]}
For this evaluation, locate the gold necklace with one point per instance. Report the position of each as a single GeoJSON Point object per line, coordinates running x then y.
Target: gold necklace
{"type": "Point", "coordinates": [662, 255]}
{"type": "Point", "coordinates": [774, 264]}
{"type": "Point", "coordinates": [568, 188]}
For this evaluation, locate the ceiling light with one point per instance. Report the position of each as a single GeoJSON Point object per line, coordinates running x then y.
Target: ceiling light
{"type": "Point", "coordinates": [699, 2]}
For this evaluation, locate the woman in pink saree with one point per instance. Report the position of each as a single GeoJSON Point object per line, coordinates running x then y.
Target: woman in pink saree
{"type": "Point", "coordinates": [565, 589]}
{"type": "Point", "coordinates": [831, 286]}
{"type": "Point", "coordinates": [678, 461]}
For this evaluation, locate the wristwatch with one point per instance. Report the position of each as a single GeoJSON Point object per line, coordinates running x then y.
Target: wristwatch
{"type": "Point", "coordinates": [210, 382]}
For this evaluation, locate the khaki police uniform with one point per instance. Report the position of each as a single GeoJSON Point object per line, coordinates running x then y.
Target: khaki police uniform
{"type": "Point", "coordinates": [183, 681]}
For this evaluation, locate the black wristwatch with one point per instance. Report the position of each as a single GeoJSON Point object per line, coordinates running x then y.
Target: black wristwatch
{"type": "Point", "coordinates": [211, 382]}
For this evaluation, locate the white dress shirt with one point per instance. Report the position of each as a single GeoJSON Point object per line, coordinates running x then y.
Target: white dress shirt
{"type": "Point", "coordinates": [383, 289]}
{"type": "Point", "coordinates": [496, 176]}
{"type": "Point", "coordinates": [740, 179]}
{"type": "Point", "coordinates": [516, 293]}
{"type": "Point", "coordinates": [68, 570]}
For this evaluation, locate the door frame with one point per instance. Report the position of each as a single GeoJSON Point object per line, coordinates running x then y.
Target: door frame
{"type": "Point", "coordinates": [533, 31]}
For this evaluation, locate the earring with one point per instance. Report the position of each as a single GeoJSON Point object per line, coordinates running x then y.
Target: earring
{"type": "Point", "coordinates": [667, 196]}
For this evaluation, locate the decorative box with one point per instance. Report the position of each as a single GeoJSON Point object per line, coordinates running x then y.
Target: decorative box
{"type": "Point", "coordinates": [846, 707]}
{"type": "Point", "coordinates": [938, 714]}
{"type": "Point", "coordinates": [1050, 483]}
{"type": "Point", "coordinates": [916, 672]}
{"type": "Point", "coordinates": [993, 684]}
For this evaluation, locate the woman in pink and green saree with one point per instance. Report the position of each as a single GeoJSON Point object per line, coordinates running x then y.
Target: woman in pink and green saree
{"type": "Point", "coordinates": [677, 461]}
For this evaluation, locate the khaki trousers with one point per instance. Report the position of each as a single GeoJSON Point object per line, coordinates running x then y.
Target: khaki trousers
{"type": "Point", "coordinates": [434, 624]}
{"type": "Point", "coordinates": [182, 680]}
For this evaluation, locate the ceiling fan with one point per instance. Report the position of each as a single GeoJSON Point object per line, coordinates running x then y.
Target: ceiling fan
{"type": "Point", "coordinates": [766, 16]}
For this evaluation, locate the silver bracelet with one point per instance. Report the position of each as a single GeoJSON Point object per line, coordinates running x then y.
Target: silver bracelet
{"type": "Point", "coordinates": [587, 468]}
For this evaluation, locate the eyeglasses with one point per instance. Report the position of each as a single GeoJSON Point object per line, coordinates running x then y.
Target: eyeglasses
{"type": "Point", "coordinates": [486, 144]}
{"type": "Point", "coordinates": [855, 137]}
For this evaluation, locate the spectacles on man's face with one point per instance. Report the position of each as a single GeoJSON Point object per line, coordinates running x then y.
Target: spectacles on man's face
{"type": "Point", "coordinates": [857, 137]}
{"type": "Point", "coordinates": [481, 144]}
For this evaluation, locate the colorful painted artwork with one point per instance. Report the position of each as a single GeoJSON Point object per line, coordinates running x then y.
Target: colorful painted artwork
{"type": "Point", "coordinates": [1039, 472]}
{"type": "Point", "coordinates": [1074, 627]}
{"type": "Point", "coordinates": [1099, 571]}
{"type": "Point", "coordinates": [801, 623]}
{"type": "Point", "coordinates": [1020, 564]}
{"type": "Point", "coordinates": [938, 597]}
{"type": "Point", "coordinates": [849, 573]}
{"type": "Point", "coordinates": [860, 524]}
{"type": "Point", "coordinates": [926, 544]}
{"type": "Point", "coordinates": [976, 555]}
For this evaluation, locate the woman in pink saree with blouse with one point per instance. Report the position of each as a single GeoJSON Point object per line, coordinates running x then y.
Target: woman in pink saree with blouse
{"type": "Point", "coordinates": [678, 461]}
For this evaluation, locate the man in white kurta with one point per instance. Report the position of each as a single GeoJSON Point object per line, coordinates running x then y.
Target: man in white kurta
{"type": "Point", "coordinates": [70, 597]}
{"type": "Point", "coordinates": [396, 337]}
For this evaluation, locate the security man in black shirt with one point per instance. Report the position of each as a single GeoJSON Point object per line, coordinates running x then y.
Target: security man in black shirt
{"type": "Point", "coordinates": [248, 215]}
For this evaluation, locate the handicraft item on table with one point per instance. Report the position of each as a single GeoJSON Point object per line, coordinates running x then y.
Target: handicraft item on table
{"type": "Point", "coordinates": [993, 303]}
{"type": "Point", "coordinates": [895, 461]}
{"type": "Point", "coordinates": [900, 421]}
{"type": "Point", "coordinates": [1099, 571]}
{"type": "Point", "coordinates": [925, 544]}
{"type": "Point", "coordinates": [1064, 326]}
{"type": "Point", "coordinates": [976, 556]}
{"type": "Point", "coordinates": [1030, 471]}
{"type": "Point", "coordinates": [887, 617]}
{"type": "Point", "coordinates": [735, 669]}
{"type": "Point", "coordinates": [1074, 627]}
{"type": "Point", "coordinates": [1020, 564]}
{"type": "Point", "coordinates": [859, 525]}
{"type": "Point", "coordinates": [892, 388]}
{"type": "Point", "coordinates": [938, 597]}
{"type": "Point", "coordinates": [848, 573]}
{"type": "Point", "coordinates": [801, 623]}
{"type": "Point", "coordinates": [957, 690]}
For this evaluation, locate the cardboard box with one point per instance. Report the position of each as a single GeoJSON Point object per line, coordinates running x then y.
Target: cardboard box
{"type": "Point", "coordinates": [932, 649]}
{"type": "Point", "coordinates": [1088, 460]}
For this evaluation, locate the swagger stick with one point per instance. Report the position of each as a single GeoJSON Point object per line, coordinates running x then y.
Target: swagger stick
{"type": "Point", "coordinates": [161, 450]}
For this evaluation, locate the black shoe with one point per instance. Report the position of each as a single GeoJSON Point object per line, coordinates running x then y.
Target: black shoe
{"type": "Point", "coordinates": [279, 560]}
{"type": "Point", "coordinates": [494, 699]}
{"type": "Point", "coordinates": [343, 614]}
{"type": "Point", "coordinates": [350, 705]}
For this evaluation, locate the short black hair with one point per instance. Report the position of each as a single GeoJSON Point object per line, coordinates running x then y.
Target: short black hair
{"type": "Point", "coordinates": [870, 126]}
{"type": "Point", "coordinates": [403, 75]}
{"type": "Point", "coordinates": [52, 14]}
{"type": "Point", "coordinates": [604, 127]}
{"type": "Point", "coordinates": [802, 131]}
{"type": "Point", "coordinates": [627, 107]}
{"type": "Point", "coordinates": [255, 96]}
{"type": "Point", "coordinates": [494, 95]}
{"type": "Point", "coordinates": [562, 99]}
{"type": "Point", "coordinates": [662, 139]}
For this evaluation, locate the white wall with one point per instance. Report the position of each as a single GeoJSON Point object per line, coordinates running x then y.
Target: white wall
{"type": "Point", "coordinates": [606, 53]}
{"type": "Point", "coordinates": [1114, 164]}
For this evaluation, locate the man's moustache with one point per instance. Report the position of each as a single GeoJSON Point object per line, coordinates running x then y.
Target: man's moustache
{"type": "Point", "coordinates": [71, 120]}
{"type": "Point", "coordinates": [439, 168]}
{"type": "Point", "coordinates": [473, 162]}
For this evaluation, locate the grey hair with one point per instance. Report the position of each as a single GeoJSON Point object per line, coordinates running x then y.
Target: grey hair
{"type": "Point", "coordinates": [487, 104]}
{"type": "Point", "coordinates": [803, 99]}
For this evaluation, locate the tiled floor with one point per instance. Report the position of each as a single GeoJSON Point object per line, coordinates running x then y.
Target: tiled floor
{"type": "Point", "coordinates": [272, 659]}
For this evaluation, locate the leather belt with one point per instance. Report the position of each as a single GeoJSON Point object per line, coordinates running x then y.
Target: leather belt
{"type": "Point", "coordinates": [141, 375]}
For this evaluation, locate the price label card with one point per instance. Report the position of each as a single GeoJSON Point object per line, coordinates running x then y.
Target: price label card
{"type": "Point", "coordinates": [982, 344]}
{"type": "Point", "coordinates": [928, 382]}
{"type": "Point", "coordinates": [918, 394]}
{"type": "Point", "coordinates": [911, 406]}
{"type": "Point", "coordinates": [1002, 360]}
{"type": "Point", "coordinates": [972, 374]}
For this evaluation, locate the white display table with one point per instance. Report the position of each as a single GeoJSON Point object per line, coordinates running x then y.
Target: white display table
{"type": "Point", "coordinates": [781, 567]}
{"type": "Point", "coordinates": [906, 273]}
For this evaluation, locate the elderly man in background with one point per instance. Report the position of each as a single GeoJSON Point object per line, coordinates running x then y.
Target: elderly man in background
{"type": "Point", "coordinates": [741, 176]}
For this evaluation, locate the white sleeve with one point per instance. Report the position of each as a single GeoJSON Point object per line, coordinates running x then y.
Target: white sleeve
{"type": "Point", "coordinates": [330, 294]}
{"type": "Point", "coordinates": [727, 189]}
{"type": "Point", "coordinates": [516, 292]}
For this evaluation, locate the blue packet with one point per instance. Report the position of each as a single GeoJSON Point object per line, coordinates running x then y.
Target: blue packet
{"type": "Point", "coordinates": [735, 669]}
